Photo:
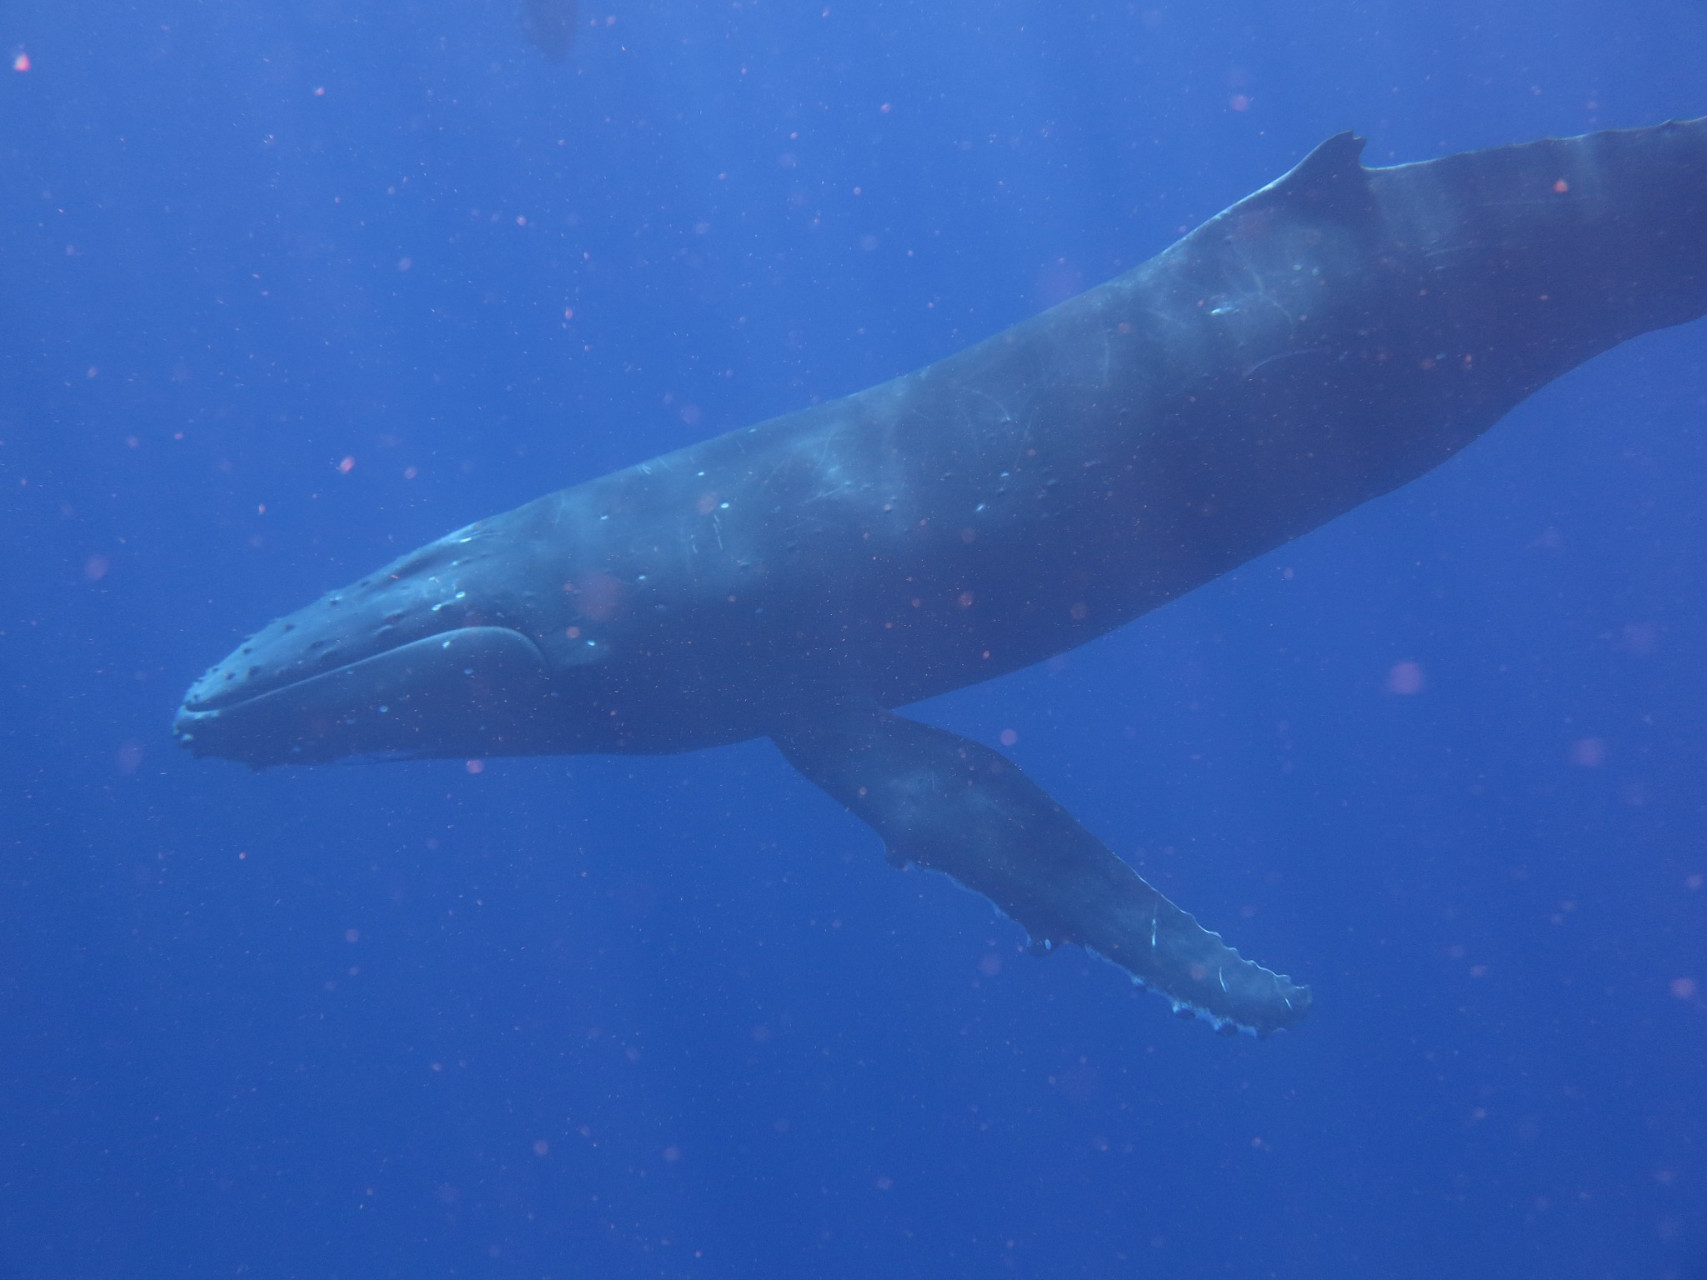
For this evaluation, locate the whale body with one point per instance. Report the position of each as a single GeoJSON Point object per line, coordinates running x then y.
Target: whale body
{"type": "Point", "coordinates": [1320, 343]}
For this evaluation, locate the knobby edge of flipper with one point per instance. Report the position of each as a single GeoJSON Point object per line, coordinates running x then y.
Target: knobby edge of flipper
{"type": "Point", "coordinates": [953, 805]}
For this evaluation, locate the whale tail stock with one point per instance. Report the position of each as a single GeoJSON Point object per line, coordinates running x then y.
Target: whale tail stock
{"type": "Point", "coordinates": [1556, 250]}
{"type": "Point", "coordinates": [952, 805]}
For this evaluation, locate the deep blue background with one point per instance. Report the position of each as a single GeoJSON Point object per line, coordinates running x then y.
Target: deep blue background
{"type": "Point", "coordinates": [674, 1017]}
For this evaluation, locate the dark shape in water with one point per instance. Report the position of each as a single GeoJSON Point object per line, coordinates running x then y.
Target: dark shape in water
{"type": "Point", "coordinates": [1320, 343]}
{"type": "Point", "coordinates": [550, 24]}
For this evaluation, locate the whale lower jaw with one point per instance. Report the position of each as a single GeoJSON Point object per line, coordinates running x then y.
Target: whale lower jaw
{"type": "Point", "coordinates": [466, 692]}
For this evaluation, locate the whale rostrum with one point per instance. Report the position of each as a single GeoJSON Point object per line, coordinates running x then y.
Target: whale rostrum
{"type": "Point", "coordinates": [1325, 340]}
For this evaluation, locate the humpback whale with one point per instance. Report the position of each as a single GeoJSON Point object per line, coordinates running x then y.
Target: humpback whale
{"type": "Point", "coordinates": [1320, 343]}
{"type": "Point", "coordinates": [550, 25]}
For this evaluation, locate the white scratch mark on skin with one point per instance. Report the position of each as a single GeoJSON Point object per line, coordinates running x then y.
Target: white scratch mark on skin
{"type": "Point", "coordinates": [1001, 408]}
{"type": "Point", "coordinates": [1167, 318]}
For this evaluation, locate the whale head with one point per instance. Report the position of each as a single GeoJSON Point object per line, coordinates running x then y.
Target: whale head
{"type": "Point", "coordinates": [446, 652]}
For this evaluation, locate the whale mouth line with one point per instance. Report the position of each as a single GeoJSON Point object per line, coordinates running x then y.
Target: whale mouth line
{"type": "Point", "coordinates": [457, 641]}
{"type": "Point", "coordinates": [451, 663]}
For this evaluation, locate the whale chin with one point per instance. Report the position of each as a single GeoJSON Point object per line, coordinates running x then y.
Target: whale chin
{"type": "Point", "coordinates": [472, 691]}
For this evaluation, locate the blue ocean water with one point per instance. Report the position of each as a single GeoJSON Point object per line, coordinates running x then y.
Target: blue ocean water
{"type": "Point", "coordinates": [288, 289]}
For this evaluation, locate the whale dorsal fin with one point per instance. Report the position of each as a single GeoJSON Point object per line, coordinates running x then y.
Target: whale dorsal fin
{"type": "Point", "coordinates": [1332, 174]}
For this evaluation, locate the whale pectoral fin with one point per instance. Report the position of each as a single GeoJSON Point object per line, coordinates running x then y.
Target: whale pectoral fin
{"type": "Point", "coordinates": [952, 805]}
